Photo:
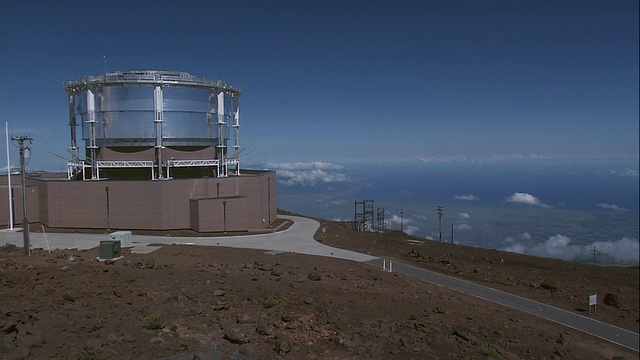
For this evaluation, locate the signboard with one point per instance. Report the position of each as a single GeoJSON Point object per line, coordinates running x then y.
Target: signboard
{"type": "Point", "coordinates": [593, 301]}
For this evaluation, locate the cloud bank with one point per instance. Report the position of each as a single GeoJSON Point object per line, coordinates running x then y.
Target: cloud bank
{"type": "Point", "coordinates": [411, 230]}
{"type": "Point", "coordinates": [462, 227]}
{"type": "Point", "coordinates": [469, 197]}
{"type": "Point", "coordinates": [479, 159]}
{"type": "Point", "coordinates": [310, 165]}
{"type": "Point", "coordinates": [611, 207]}
{"type": "Point", "coordinates": [308, 173]}
{"type": "Point", "coordinates": [623, 251]}
{"type": "Point", "coordinates": [527, 199]}
{"type": "Point", "coordinates": [626, 172]}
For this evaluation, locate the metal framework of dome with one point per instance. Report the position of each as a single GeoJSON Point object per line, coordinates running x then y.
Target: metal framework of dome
{"type": "Point", "coordinates": [169, 123]}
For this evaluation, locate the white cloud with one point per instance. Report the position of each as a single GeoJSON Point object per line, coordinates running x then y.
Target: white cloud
{"type": "Point", "coordinates": [477, 159]}
{"type": "Point", "coordinates": [527, 199]}
{"type": "Point", "coordinates": [469, 197]}
{"type": "Point", "coordinates": [623, 251]}
{"type": "Point", "coordinates": [308, 173]}
{"type": "Point", "coordinates": [525, 236]}
{"type": "Point", "coordinates": [464, 215]}
{"type": "Point", "coordinates": [462, 227]}
{"type": "Point", "coordinates": [612, 207]}
{"type": "Point", "coordinates": [626, 172]}
{"type": "Point", "coordinates": [411, 230]}
{"type": "Point", "coordinates": [309, 177]}
{"type": "Point", "coordinates": [310, 165]}
{"type": "Point", "coordinates": [398, 219]}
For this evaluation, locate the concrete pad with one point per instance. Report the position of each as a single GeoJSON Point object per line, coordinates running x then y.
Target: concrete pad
{"type": "Point", "coordinates": [143, 249]}
{"type": "Point", "coordinates": [298, 238]}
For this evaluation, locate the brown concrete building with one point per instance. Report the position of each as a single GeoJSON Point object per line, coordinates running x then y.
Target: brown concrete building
{"type": "Point", "coordinates": [156, 157]}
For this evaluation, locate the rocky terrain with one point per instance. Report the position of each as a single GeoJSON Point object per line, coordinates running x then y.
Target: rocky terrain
{"type": "Point", "coordinates": [265, 305]}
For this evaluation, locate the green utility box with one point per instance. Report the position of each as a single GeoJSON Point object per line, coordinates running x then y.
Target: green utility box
{"type": "Point", "coordinates": [109, 249]}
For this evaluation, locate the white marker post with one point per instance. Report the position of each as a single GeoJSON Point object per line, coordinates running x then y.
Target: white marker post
{"type": "Point", "coordinates": [6, 129]}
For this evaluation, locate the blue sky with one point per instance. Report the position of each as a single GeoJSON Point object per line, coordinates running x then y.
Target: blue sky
{"type": "Point", "coordinates": [349, 81]}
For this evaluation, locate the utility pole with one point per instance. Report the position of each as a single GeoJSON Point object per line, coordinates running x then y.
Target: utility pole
{"type": "Point", "coordinates": [25, 220]}
{"type": "Point", "coordinates": [401, 220]}
{"type": "Point", "coordinates": [440, 212]}
{"type": "Point", "coordinates": [452, 233]}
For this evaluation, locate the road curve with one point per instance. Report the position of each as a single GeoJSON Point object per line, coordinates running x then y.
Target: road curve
{"type": "Point", "coordinates": [587, 325]}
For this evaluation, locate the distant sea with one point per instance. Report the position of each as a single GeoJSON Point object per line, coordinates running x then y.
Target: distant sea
{"type": "Point", "coordinates": [566, 209]}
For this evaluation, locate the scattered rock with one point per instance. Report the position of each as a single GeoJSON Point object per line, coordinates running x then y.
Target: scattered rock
{"type": "Point", "coordinates": [114, 338]}
{"type": "Point", "coordinates": [235, 337]}
{"type": "Point", "coordinates": [247, 351]}
{"type": "Point", "coordinates": [314, 276]}
{"type": "Point", "coordinates": [549, 285]}
{"type": "Point", "coordinates": [221, 306]}
{"type": "Point", "coordinates": [422, 327]}
{"type": "Point", "coordinates": [308, 300]}
{"type": "Point", "coordinates": [218, 293]}
{"type": "Point", "coordinates": [289, 317]}
{"type": "Point", "coordinates": [460, 335]}
{"type": "Point", "coordinates": [276, 272]}
{"type": "Point", "coordinates": [283, 347]}
{"type": "Point", "coordinates": [243, 318]}
{"type": "Point", "coordinates": [265, 267]}
{"type": "Point", "coordinates": [157, 341]}
{"type": "Point", "coordinates": [557, 352]}
{"type": "Point", "coordinates": [264, 329]}
{"type": "Point", "coordinates": [612, 300]}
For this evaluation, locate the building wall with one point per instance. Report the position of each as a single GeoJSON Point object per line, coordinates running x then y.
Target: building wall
{"type": "Point", "coordinates": [32, 201]}
{"type": "Point", "coordinates": [146, 204]}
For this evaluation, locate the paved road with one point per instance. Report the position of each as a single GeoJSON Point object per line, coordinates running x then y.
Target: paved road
{"type": "Point", "coordinates": [299, 239]}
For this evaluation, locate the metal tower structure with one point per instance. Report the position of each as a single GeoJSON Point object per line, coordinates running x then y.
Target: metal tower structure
{"type": "Point", "coordinates": [381, 224]}
{"type": "Point", "coordinates": [364, 215]}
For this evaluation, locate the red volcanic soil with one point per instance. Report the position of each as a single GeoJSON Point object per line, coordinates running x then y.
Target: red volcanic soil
{"type": "Point", "coordinates": [181, 299]}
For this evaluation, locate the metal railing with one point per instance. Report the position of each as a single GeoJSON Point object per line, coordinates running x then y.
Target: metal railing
{"type": "Point", "coordinates": [151, 77]}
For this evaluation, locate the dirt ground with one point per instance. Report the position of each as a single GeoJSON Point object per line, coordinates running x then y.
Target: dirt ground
{"type": "Point", "coordinates": [181, 299]}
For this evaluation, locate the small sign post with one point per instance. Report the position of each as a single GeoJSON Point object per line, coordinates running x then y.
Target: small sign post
{"type": "Point", "coordinates": [593, 301]}
{"type": "Point", "coordinates": [324, 234]}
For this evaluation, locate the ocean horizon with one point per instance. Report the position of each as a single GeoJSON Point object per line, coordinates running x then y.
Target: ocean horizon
{"type": "Point", "coordinates": [567, 209]}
